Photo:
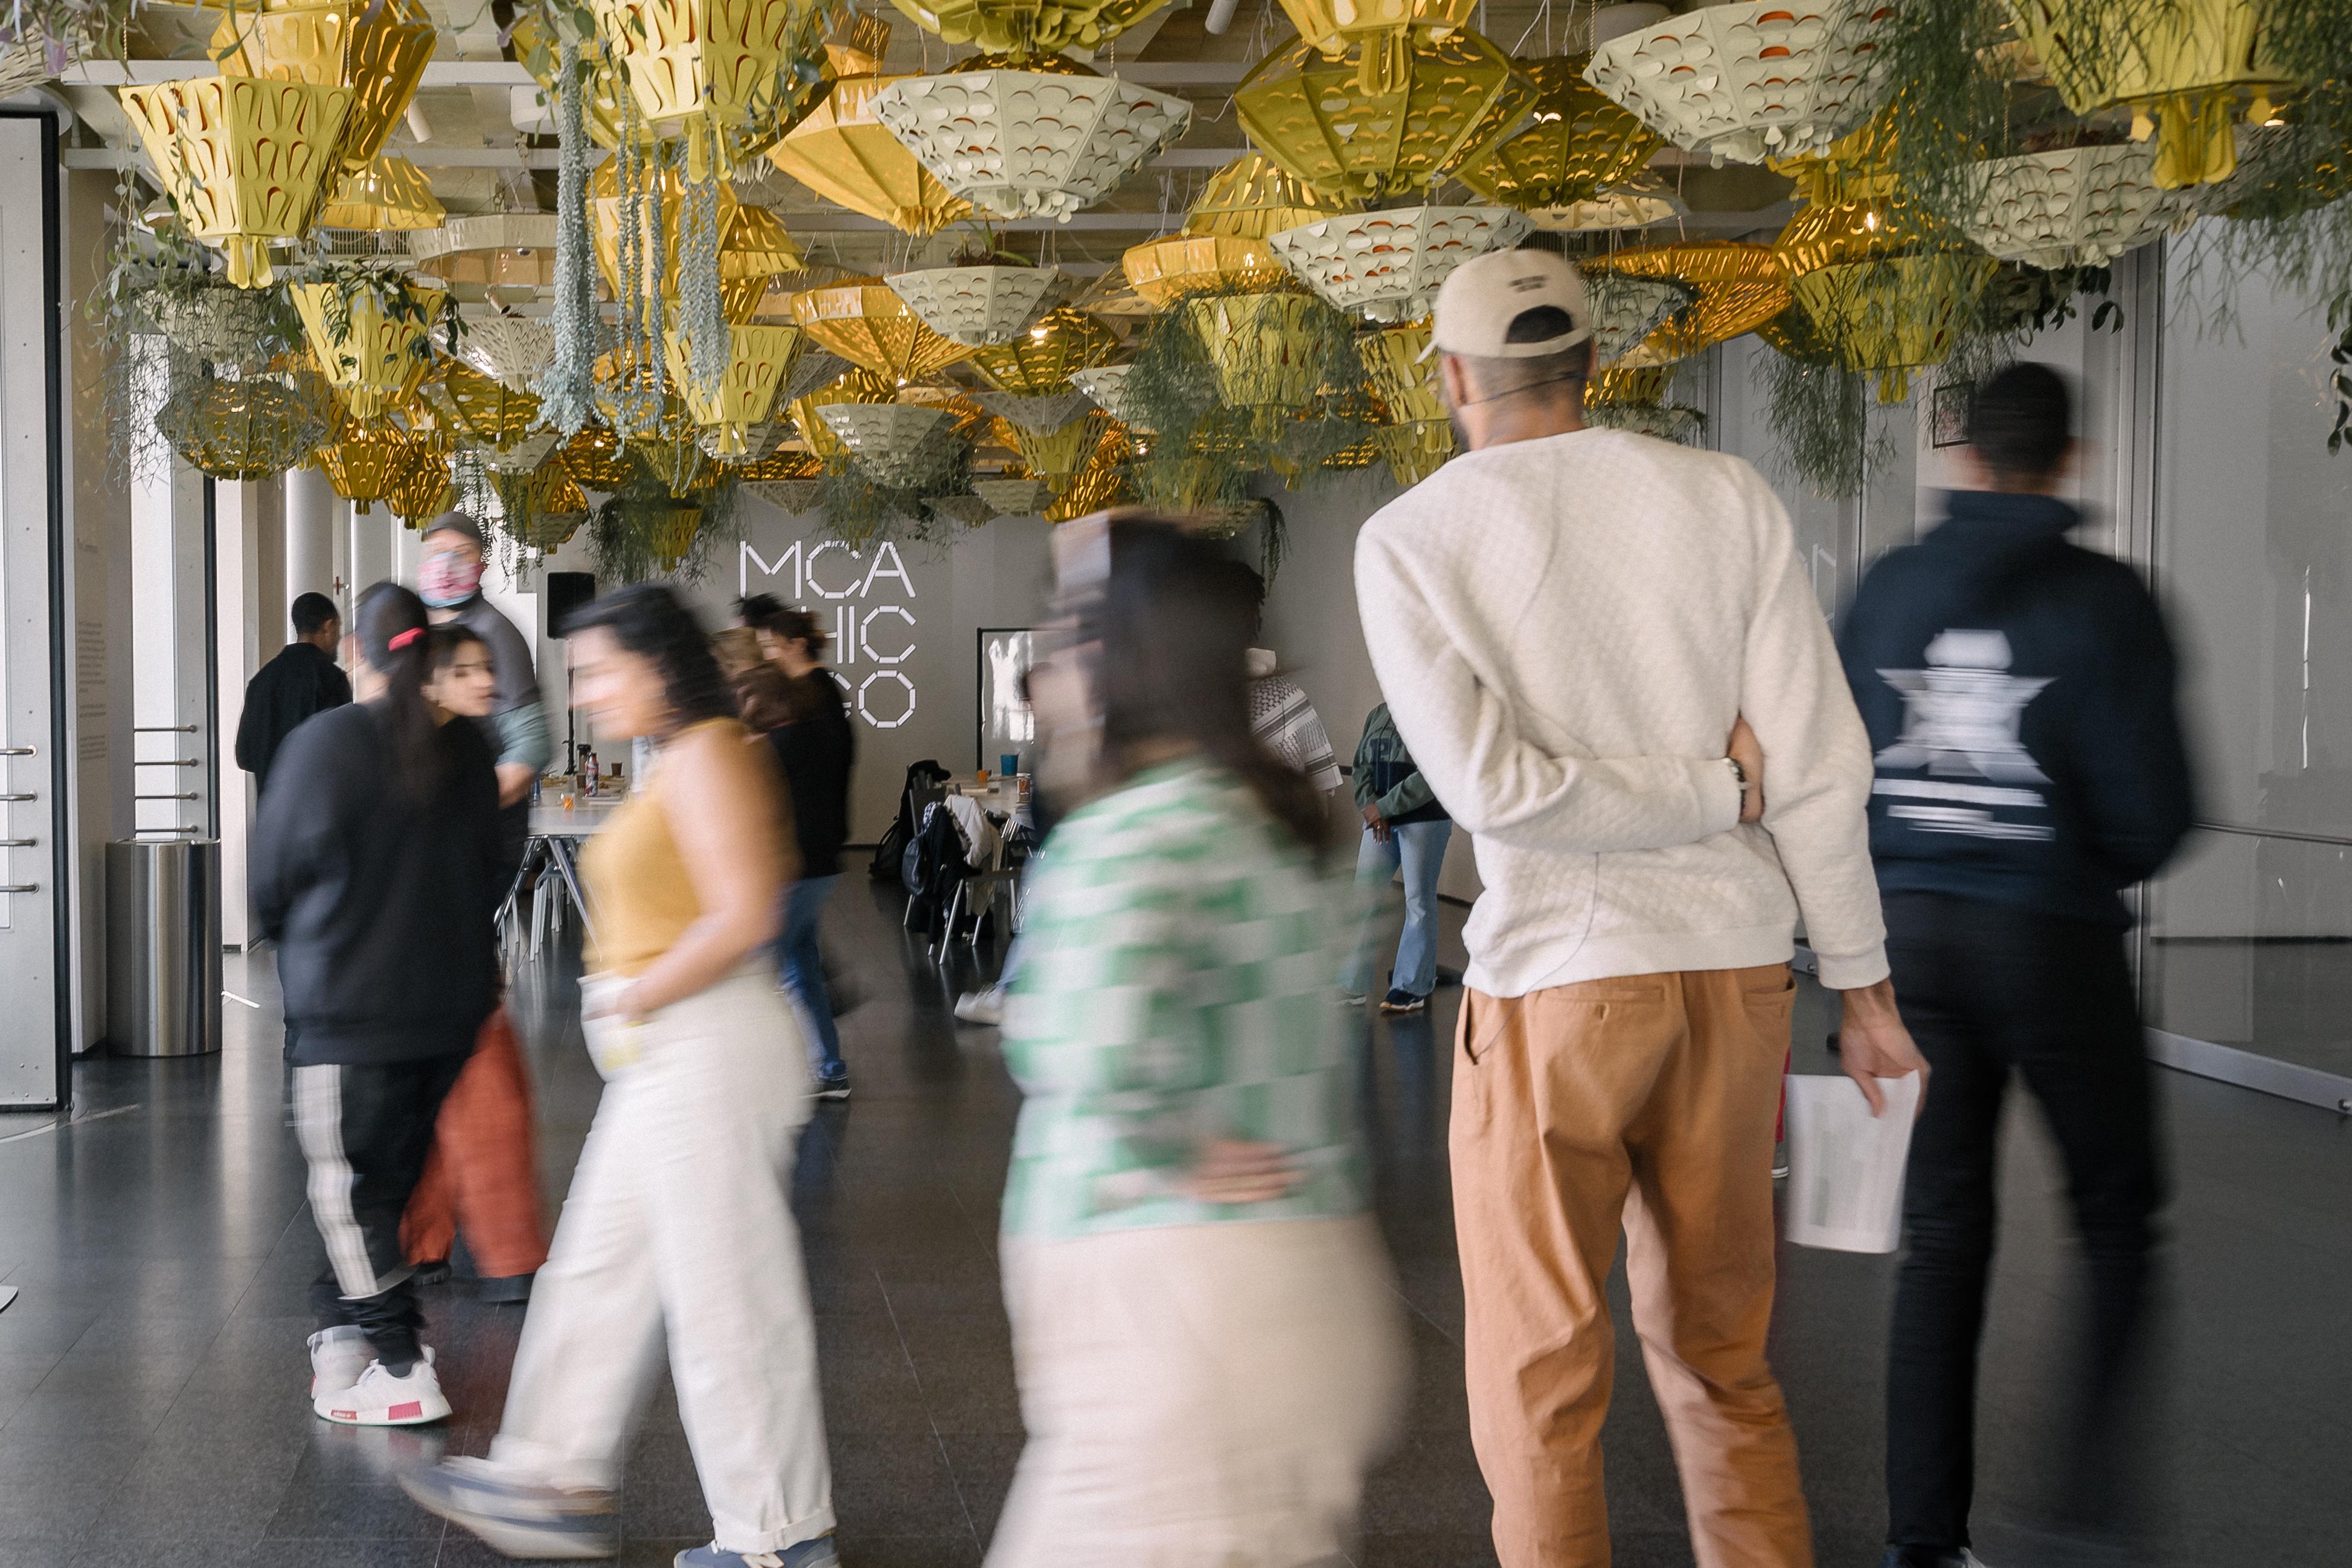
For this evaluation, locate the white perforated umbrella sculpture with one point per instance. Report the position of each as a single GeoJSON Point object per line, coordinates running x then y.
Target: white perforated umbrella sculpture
{"type": "Point", "coordinates": [982, 306]}
{"type": "Point", "coordinates": [1387, 266]}
{"type": "Point", "coordinates": [2082, 206]}
{"type": "Point", "coordinates": [900, 445]}
{"type": "Point", "coordinates": [1023, 143]}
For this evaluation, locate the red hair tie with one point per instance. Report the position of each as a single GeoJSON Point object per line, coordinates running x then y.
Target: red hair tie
{"type": "Point", "coordinates": [401, 639]}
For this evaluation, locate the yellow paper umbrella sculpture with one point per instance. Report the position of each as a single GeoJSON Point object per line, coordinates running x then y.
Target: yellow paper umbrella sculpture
{"type": "Point", "coordinates": [1418, 438]}
{"type": "Point", "coordinates": [848, 156]}
{"type": "Point", "coordinates": [1035, 142]}
{"type": "Point", "coordinates": [1381, 31]}
{"type": "Point", "coordinates": [1884, 295]}
{"type": "Point", "coordinates": [1763, 79]}
{"type": "Point", "coordinates": [1258, 349]}
{"type": "Point", "coordinates": [479, 410]}
{"type": "Point", "coordinates": [1452, 98]}
{"type": "Point", "coordinates": [362, 462]}
{"type": "Point", "coordinates": [543, 505]}
{"type": "Point", "coordinates": [375, 48]}
{"type": "Point", "coordinates": [421, 488]}
{"type": "Point", "coordinates": [867, 324]}
{"type": "Point", "coordinates": [240, 429]}
{"type": "Point", "coordinates": [730, 74]}
{"type": "Point", "coordinates": [596, 458]}
{"type": "Point", "coordinates": [1575, 144]}
{"type": "Point", "coordinates": [386, 193]}
{"type": "Point", "coordinates": [1254, 197]}
{"type": "Point", "coordinates": [1040, 362]}
{"type": "Point", "coordinates": [753, 246]}
{"type": "Point", "coordinates": [1226, 241]}
{"type": "Point", "coordinates": [370, 338]}
{"type": "Point", "coordinates": [757, 357]}
{"type": "Point", "coordinates": [1101, 483]}
{"type": "Point", "coordinates": [1028, 27]}
{"type": "Point", "coordinates": [1739, 287]}
{"type": "Point", "coordinates": [2181, 67]}
{"type": "Point", "coordinates": [243, 161]}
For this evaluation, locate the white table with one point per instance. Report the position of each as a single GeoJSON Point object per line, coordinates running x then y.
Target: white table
{"type": "Point", "coordinates": [552, 844]}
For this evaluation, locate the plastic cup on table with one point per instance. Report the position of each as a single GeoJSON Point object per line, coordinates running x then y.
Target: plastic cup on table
{"type": "Point", "coordinates": [1009, 764]}
{"type": "Point", "coordinates": [983, 778]}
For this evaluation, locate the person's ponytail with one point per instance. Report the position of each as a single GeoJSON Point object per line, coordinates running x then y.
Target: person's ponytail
{"type": "Point", "coordinates": [393, 631]}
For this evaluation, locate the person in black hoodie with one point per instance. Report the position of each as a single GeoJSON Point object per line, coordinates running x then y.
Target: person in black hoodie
{"type": "Point", "coordinates": [815, 748]}
{"type": "Point", "coordinates": [376, 863]}
{"type": "Point", "coordinates": [2020, 694]}
{"type": "Point", "coordinates": [302, 679]}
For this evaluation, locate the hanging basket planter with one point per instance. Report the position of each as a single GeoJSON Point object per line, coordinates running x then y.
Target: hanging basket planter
{"type": "Point", "coordinates": [1013, 497]}
{"type": "Point", "coordinates": [844, 154]}
{"type": "Point", "coordinates": [1106, 384]}
{"type": "Point", "coordinates": [512, 350]}
{"type": "Point", "coordinates": [479, 411]}
{"type": "Point", "coordinates": [866, 323]}
{"type": "Point", "coordinates": [1257, 346]}
{"type": "Point", "coordinates": [2083, 206]}
{"type": "Point", "coordinates": [1386, 266]}
{"type": "Point", "coordinates": [898, 445]}
{"type": "Point", "coordinates": [2183, 67]}
{"type": "Point", "coordinates": [760, 441]}
{"type": "Point", "coordinates": [796, 497]}
{"type": "Point", "coordinates": [376, 50]}
{"type": "Point", "coordinates": [1766, 79]}
{"type": "Point", "coordinates": [421, 488]}
{"type": "Point", "coordinates": [1254, 197]}
{"type": "Point", "coordinates": [1416, 450]}
{"type": "Point", "coordinates": [807, 410]}
{"type": "Point", "coordinates": [385, 193]}
{"type": "Point", "coordinates": [1626, 309]}
{"type": "Point", "coordinates": [1380, 33]}
{"type": "Point", "coordinates": [1029, 27]}
{"type": "Point", "coordinates": [1040, 362]}
{"type": "Point", "coordinates": [1030, 143]}
{"type": "Point", "coordinates": [31, 60]}
{"type": "Point", "coordinates": [1883, 300]}
{"type": "Point", "coordinates": [596, 458]}
{"type": "Point", "coordinates": [1162, 271]}
{"type": "Point", "coordinates": [235, 327]}
{"type": "Point", "coordinates": [1454, 99]}
{"type": "Point", "coordinates": [243, 161]}
{"type": "Point", "coordinates": [543, 506]}
{"type": "Point", "coordinates": [242, 429]}
{"type": "Point", "coordinates": [1739, 287]}
{"type": "Point", "coordinates": [362, 462]}
{"type": "Point", "coordinates": [1401, 379]}
{"type": "Point", "coordinates": [756, 361]}
{"type": "Point", "coordinates": [1577, 143]}
{"type": "Point", "coordinates": [978, 305]}
{"type": "Point", "coordinates": [723, 73]}
{"type": "Point", "coordinates": [370, 339]}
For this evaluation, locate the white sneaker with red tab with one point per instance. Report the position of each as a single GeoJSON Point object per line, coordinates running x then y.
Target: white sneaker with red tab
{"type": "Point", "coordinates": [380, 1399]}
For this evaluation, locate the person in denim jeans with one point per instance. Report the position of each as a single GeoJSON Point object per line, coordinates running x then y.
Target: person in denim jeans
{"type": "Point", "coordinates": [1404, 827]}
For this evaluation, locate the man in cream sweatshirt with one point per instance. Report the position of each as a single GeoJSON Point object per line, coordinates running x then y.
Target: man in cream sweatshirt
{"type": "Point", "coordinates": [1603, 652]}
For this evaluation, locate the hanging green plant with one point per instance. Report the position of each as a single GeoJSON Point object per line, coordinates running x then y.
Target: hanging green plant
{"type": "Point", "coordinates": [1820, 411]}
{"type": "Point", "coordinates": [644, 532]}
{"type": "Point", "coordinates": [567, 388]}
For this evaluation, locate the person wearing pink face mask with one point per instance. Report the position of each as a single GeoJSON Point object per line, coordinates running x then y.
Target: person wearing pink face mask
{"type": "Point", "coordinates": [449, 580]}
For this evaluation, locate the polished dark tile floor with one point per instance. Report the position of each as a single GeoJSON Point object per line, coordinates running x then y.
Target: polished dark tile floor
{"type": "Point", "coordinates": [152, 1371]}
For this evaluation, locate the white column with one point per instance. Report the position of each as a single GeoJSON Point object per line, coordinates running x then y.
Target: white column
{"type": "Point", "coordinates": [372, 554]}
{"type": "Point", "coordinates": [313, 514]}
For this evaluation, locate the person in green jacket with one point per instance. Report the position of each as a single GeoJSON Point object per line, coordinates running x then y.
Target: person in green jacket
{"type": "Point", "coordinates": [1404, 827]}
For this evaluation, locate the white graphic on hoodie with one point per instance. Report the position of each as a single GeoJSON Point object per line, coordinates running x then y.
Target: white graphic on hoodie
{"type": "Point", "coordinates": [1961, 720]}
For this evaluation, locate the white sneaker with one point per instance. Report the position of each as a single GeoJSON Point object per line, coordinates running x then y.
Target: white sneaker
{"type": "Point", "coordinates": [984, 1007]}
{"type": "Point", "coordinates": [380, 1399]}
{"type": "Point", "coordinates": [338, 1356]}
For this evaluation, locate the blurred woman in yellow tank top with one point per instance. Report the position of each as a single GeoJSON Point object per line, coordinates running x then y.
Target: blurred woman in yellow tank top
{"type": "Point", "coordinates": [678, 1233]}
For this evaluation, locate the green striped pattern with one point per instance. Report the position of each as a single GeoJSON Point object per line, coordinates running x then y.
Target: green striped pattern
{"type": "Point", "coordinates": [1175, 985]}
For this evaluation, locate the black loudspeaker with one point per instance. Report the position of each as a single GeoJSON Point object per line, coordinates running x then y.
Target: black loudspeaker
{"type": "Point", "coordinates": [567, 592]}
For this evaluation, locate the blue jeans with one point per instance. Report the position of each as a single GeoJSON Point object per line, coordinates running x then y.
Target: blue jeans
{"type": "Point", "coordinates": [1419, 848]}
{"type": "Point", "coordinates": [802, 964]}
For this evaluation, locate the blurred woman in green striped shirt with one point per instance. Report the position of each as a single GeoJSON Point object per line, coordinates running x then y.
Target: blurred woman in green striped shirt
{"type": "Point", "coordinates": [1208, 1341]}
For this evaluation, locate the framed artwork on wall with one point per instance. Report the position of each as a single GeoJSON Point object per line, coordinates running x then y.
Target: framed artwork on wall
{"type": "Point", "coordinates": [1007, 728]}
{"type": "Point", "coordinates": [1947, 415]}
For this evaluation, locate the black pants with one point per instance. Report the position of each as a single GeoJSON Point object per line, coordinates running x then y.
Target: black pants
{"type": "Point", "coordinates": [365, 1132]}
{"type": "Point", "coordinates": [1988, 989]}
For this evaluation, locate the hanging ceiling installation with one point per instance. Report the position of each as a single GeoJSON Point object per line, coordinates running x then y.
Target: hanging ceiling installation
{"type": "Point", "coordinates": [914, 265]}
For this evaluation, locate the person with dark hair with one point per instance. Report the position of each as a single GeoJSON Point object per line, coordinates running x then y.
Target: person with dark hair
{"type": "Point", "coordinates": [1592, 640]}
{"type": "Point", "coordinates": [449, 580]}
{"type": "Point", "coordinates": [1405, 831]}
{"type": "Point", "coordinates": [302, 679]}
{"type": "Point", "coordinates": [1280, 713]}
{"type": "Point", "coordinates": [2021, 694]}
{"type": "Point", "coordinates": [376, 861]}
{"type": "Point", "coordinates": [483, 1170]}
{"type": "Point", "coordinates": [1206, 1332]}
{"type": "Point", "coordinates": [815, 749]}
{"type": "Point", "coordinates": [678, 1230]}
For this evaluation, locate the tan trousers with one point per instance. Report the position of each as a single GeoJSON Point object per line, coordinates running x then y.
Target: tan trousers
{"type": "Point", "coordinates": [1647, 1100]}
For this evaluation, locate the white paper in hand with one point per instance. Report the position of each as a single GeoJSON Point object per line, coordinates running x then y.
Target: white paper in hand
{"type": "Point", "coordinates": [1845, 1166]}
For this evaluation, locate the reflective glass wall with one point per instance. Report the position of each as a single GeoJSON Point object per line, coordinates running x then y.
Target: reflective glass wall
{"type": "Point", "coordinates": [2248, 937]}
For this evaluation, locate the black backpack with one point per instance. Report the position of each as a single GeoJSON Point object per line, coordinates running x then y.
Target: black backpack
{"type": "Point", "coordinates": [926, 783]}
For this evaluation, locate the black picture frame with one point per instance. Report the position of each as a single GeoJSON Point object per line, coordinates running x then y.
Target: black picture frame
{"type": "Point", "coordinates": [1947, 413]}
{"type": "Point", "coordinates": [995, 675]}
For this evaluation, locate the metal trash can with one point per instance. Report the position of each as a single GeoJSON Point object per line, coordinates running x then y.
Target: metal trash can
{"type": "Point", "coordinates": [163, 947]}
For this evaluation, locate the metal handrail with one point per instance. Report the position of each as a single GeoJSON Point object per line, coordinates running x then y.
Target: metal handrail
{"type": "Point", "coordinates": [2337, 841]}
{"type": "Point", "coordinates": [162, 730]}
{"type": "Point", "coordinates": [191, 795]}
{"type": "Point", "coordinates": [171, 762]}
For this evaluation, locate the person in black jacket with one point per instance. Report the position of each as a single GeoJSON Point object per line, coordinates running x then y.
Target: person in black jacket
{"type": "Point", "coordinates": [302, 679]}
{"type": "Point", "coordinates": [816, 748]}
{"type": "Point", "coordinates": [2019, 693]}
{"type": "Point", "coordinates": [375, 870]}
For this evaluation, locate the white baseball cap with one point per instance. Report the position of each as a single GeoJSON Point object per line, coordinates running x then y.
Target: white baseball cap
{"type": "Point", "coordinates": [1480, 298]}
